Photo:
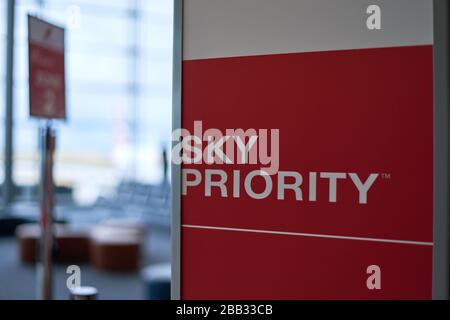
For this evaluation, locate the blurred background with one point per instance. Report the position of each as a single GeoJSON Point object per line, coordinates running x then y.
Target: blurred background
{"type": "Point", "coordinates": [111, 162]}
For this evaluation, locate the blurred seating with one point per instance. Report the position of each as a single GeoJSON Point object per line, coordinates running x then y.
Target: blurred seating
{"type": "Point", "coordinates": [117, 253]}
{"type": "Point", "coordinates": [30, 193]}
{"type": "Point", "coordinates": [71, 246]}
{"type": "Point", "coordinates": [149, 203]}
{"type": "Point", "coordinates": [116, 245]}
{"type": "Point", "coordinates": [114, 229]}
{"type": "Point", "coordinates": [27, 237]}
{"type": "Point", "coordinates": [157, 281]}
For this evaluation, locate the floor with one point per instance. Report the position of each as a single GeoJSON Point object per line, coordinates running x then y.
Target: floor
{"type": "Point", "coordinates": [18, 281]}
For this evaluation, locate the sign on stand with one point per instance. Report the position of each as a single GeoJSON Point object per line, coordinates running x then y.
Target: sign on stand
{"type": "Point", "coordinates": [47, 101]}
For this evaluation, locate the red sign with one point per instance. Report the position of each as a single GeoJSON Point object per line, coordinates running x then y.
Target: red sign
{"type": "Point", "coordinates": [317, 248]}
{"type": "Point", "coordinates": [46, 69]}
{"type": "Point", "coordinates": [348, 212]}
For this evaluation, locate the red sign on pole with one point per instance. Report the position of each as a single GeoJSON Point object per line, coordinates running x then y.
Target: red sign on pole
{"type": "Point", "coordinates": [46, 69]}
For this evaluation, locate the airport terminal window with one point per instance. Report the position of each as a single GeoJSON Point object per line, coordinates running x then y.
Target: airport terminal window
{"type": "Point", "coordinates": [119, 60]}
{"type": "Point", "coordinates": [108, 165]}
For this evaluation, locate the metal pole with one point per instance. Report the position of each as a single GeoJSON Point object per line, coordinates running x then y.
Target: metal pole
{"type": "Point", "coordinates": [441, 249]}
{"type": "Point", "coordinates": [46, 244]}
{"type": "Point", "coordinates": [8, 187]}
{"type": "Point", "coordinates": [176, 169]}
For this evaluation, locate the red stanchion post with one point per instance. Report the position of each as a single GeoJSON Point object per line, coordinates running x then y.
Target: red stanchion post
{"type": "Point", "coordinates": [48, 140]}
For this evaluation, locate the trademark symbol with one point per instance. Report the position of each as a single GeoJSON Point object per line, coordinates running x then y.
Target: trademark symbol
{"type": "Point", "coordinates": [385, 176]}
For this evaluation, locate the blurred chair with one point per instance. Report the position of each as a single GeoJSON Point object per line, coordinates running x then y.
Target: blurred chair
{"type": "Point", "coordinates": [149, 203]}
{"type": "Point", "coordinates": [157, 281]}
{"type": "Point", "coordinates": [116, 245]}
{"type": "Point", "coordinates": [71, 246]}
{"type": "Point", "coordinates": [27, 236]}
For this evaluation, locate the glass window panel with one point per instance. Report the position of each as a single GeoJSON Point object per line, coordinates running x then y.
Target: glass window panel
{"type": "Point", "coordinates": [156, 72]}
{"type": "Point", "coordinates": [98, 68]}
{"type": "Point", "coordinates": [113, 132]}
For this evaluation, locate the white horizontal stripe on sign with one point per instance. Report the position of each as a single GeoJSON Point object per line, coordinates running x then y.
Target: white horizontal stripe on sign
{"type": "Point", "coordinates": [230, 28]}
{"type": "Point", "coordinates": [46, 35]}
{"type": "Point", "coordinates": [409, 242]}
